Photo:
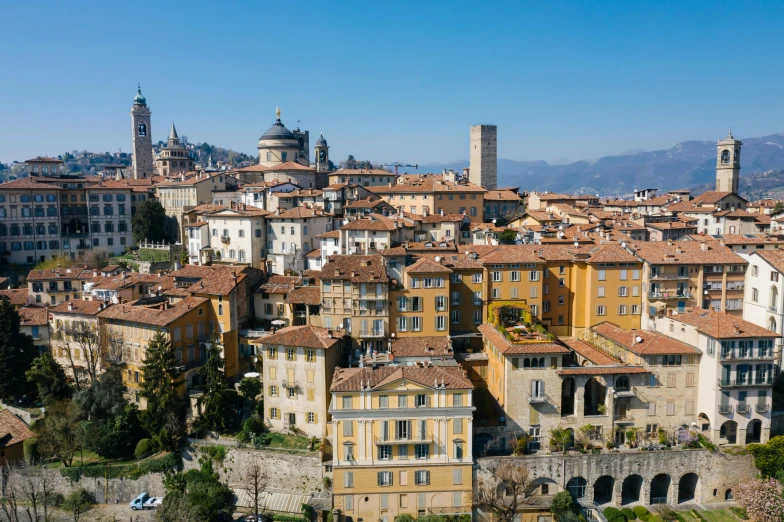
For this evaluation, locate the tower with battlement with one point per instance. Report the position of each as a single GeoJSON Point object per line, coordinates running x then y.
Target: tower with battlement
{"type": "Point", "coordinates": [728, 164]}
{"type": "Point", "coordinates": [483, 169]}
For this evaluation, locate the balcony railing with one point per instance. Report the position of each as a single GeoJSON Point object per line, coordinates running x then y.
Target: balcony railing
{"type": "Point", "coordinates": [372, 333]}
{"type": "Point", "coordinates": [669, 276]}
{"type": "Point", "coordinates": [418, 438]}
{"type": "Point", "coordinates": [626, 419]}
{"type": "Point", "coordinates": [762, 408]}
{"type": "Point", "coordinates": [669, 295]}
{"type": "Point", "coordinates": [743, 407]}
{"type": "Point", "coordinates": [747, 381]}
{"type": "Point", "coordinates": [725, 409]}
{"type": "Point", "coordinates": [730, 355]}
{"type": "Point", "coordinates": [226, 239]}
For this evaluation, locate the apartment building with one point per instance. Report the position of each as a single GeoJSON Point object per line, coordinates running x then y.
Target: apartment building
{"type": "Point", "coordinates": [433, 194]}
{"type": "Point", "coordinates": [291, 234]}
{"type": "Point", "coordinates": [354, 296]}
{"type": "Point", "coordinates": [269, 300]}
{"type": "Point", "coordinates": [362, 177]}
{"type": "Point", "coordinates": [54, 286]}
{"type": "Point", "coordinates": [686, 274]}
{"type": "Point", "coordinates": [299, 363]}
{"type": "Point", "coordinates": [402, 442]}
{"type": "Point", "coordinates": [736, 373]}
{"type": "Point", "coordinates": [34, 321]}
{"type": "Point", "coordinates": [78, 337]}
{"type": "Point", "coordinates": [178, 195]}
{"type": "Point", "coordinates": [236, 235]}
{"type": "Point", "coordinates": [422, 299]}
{"type": "Point", "coordinates": [763, 303]}
{"type": "Point", "coordinates": [502, 204]}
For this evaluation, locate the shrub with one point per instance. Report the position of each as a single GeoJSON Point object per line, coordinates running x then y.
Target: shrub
{"type": "Point", "coordinates": [331, 517]}
{"type": "Point", "coordinates": [614, 515]}
{"type": "Point", "coordinates": [133, 471]}
{"type": "Point", "coordinates": [740, 512]}
{"type": "Point", "coordinates": [655, 518]}
{"type": "Point", "coordinates": [30, 448]}
{"type": "Point", "coordinates": [216, 453]}
{"type": "Point", "coordinates": [629, 514]}
{"type": "Point", "coordinates": [562, 503]}
{"type": "Point", "coordinates": [143, 448]}
{"type": "Point", "coordinates": [287, 518]}
{"type": "Point", "coordinates": [642, 513]}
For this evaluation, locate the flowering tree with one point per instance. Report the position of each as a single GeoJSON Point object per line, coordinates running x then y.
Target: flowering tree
{"type": "Point", "coordinates": [763, 499]}
{"type": "Point", "coordinates": [686, 437]}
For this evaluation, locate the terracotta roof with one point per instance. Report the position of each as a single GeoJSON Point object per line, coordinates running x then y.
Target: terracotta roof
{"type": "Point", "coordinates": [446, 218]}
{"type": "Point", "coordinates": [740, 239]}
{"type": "Point", "coordinates": [686, 253]}
{"type": "Point", "coordinates": [331, 234]}
{"type": "Point", "coordinates": [301, 193]}
{"type": "Point", "coordinates": [222, 281]}
{"type": "Point", "coordinates": [541, 215]}
{"type": "Point", "coordinates": [501, 195]}
{"type": "Point", "coordinates": [80, 307]}
{"type": "Point", "coordinates": [774, 257]}
{"type": "Point", "coordinates": [238, 210]}
{"type": "Point", "coordinates": [27, 183]}
{"type": "Point", "coordinates": [191, 178]}
{"type": "Point", "coordinates": [44, 159]}
{"type": "Point", "coordinates": [197, 224]}
{"type": "Point", "coordinates": [426, 266]}
{"type": "Point", "coordinates": [355, 379]}
{"type": "Point", "coordinates": [513, 254]}
{"type": "Point", "coordinates": [368, 202]}
{"type": "Point", "coordinates": [350, 172]}
{"type": "Point", "coordinates": [428, 346]}
{"type": "Point", "coordinates": [589, 352]}
{"type": "Point", "coordinates": [426, 184]}
{"type": "Point", "coordinates": [721, 325]}
{"type": "Point", "coordinates": [529, 347]}
{"type": "Point", "coordinates": [455, 261]}
{"type": "Point", "coordinates": [357, 269]}
{"type": "Point", "coordinates": [304, 336]}
{"type": "Point", "coordinates": [601, 370]}
{"type": "Point", "coordinates": [651, 343]}
{"type": "Point", "coordinates": [307, 295]}
{"type": "Point", "coordinates": [289, 165]}
{"type": "Point", "coordinates": [153, 316]}
{"type": "Point", "coordinates": [33, 315]}
{"type": "Point", "coordinates": [17, 296]}
{"type": "Point", "coordinates": [13, 430]}
{"type": "Point", "coordinates": [370, 222]}
{"type": "Point", "coordinates": [299, 213]}
{"type": "Point", "coordinates": [55, 273]}
{"type": "Point", "coordinates": [314, 254]}
{"type": "Point", "coordinates": [279, 284]}
{"type": "Point", "coordinates": [670, 225]}
{"type": "Point", "coordinates": [192, 271]}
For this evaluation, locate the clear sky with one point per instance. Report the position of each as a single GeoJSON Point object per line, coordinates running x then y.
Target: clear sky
{"type": "Point", "coordinates": [392, 81]}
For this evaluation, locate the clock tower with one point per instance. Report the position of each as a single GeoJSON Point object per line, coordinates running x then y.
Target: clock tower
{"type": "Point", "coordinates": [141, 133]}
{"type": "Point", "coordinates": [728, 164]}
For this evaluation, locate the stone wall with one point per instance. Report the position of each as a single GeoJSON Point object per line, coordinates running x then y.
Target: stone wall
{"type": "Point", "coordinates": [285, 471]}
{"type": "Point", "coordinates": [617, 477]}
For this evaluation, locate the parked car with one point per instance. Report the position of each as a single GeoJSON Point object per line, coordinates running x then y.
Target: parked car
{"type": "Point", "coordinates": [145, 501]}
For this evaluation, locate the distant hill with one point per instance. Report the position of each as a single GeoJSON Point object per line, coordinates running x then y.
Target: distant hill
{"type": "Point", "coordinates": [687, 164]}
{"type": "Point", "coordinates": [769, 184]}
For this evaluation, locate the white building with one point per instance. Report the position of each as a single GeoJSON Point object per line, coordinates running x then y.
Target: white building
{"type": "Point", "coordinates": [291, 234]}
{"type": "Point", "coordinates": [237, 235]}
{"type": "Point", "coordinates": [763, 302]}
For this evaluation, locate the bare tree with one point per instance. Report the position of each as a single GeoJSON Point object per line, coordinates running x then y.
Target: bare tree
{"type": "Point", "coordinates": [512, 489]}
{"type": "Point", "coordinates": [84, 341]}
{"type": "Point", "coordinates": [26, 490]}
{"type": "Point", "coordinates": [257, 480]}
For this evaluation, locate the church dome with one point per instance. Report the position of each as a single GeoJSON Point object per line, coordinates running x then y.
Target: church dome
{"type": "Point", "coordinates": [321, 142]}
{"type": "Point", "coordinates": [278, 132]}
{"type": "Point", "coordinates": [139, 99]}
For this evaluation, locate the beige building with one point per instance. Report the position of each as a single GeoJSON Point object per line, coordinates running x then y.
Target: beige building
{"type": "Point", "coordinates": [174, 158]}
{"type": "Point", "coordinates": [179, 195]}
{"type": "Point", "coordinates": [299, 363]}
{"type": "Point", "coordinates": [54, 286]}
{"type": "Point", "coordinates": [79, 341]}
{"type": "Point", "coordinates": [362, 177]}
{"type": "Point", "coordinates": [434, 194]}
{"type": "Point", "coordinates": [401, 439]}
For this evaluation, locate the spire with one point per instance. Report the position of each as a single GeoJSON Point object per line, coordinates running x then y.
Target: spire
{"type": "Point", "coordinates": [173, 133]}
{"type": "Point", "coordinates": [139, 98]}
{"type": "Point", "coordinates": [277, 113]}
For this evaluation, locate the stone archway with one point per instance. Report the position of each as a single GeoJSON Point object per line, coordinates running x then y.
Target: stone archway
{"type": "Point", "coordinates": [576, 487]}
{"type": "Point", "coordinates": [631, 490]}
{"type": "Point", "coordinates": [754, 431]}
{"type": "Point", "coordinates": [545, 487]}
{"type": "Point", "coordinates": [595, 395]}
{"type": "Point", "coordinates": [568, 391]}
{"type": "Point", "coordinates": [729, 432]}
{"type": "Point", "coordinates": [604, 490]}
{"type": "Point", "coordinates": [688, 488]}
{"type": "Point", "coordinates": [660, 489]}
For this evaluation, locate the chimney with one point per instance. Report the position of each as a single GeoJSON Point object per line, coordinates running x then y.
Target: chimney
{"type": "Point", "coordinates": [441, 211]}
{"type": "Point", "coordinates": [70, 306]}
{"type": "Point", "coordinates": [737, 329]}
{"type": "Point", "coordinates": [95, 273]}
{"type": "Point", "coordinates": [703, 246]}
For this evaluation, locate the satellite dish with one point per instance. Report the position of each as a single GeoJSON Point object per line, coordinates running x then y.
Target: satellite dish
{"type": "Point", "coordinates": [494, 222]}
{"type": "Point", "coordinates": [438, 259]}
{"type": "Point", "coordinates": [638, 339]}
{"type": "Point", "coordinates": [576, 244]}
{"type": "Point", "coordinates": [623, 244]}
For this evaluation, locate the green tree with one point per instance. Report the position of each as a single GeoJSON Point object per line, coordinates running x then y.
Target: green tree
{"type": "Point", "coordinates": [560, 438]}
{"type": "Point", "coordinates": [49, 379]}
{"type": "Point", "coordinates": [201, 491]}
{"type": "Point", "coordinates": [218, 411]}
{"type": "Point", "coordinates": [105, 399]}
{"type": "Point", "coordinates": [60, 433]}
{"type": "Point", "coordinates": [562, 503]}
{"type": "Point", "coordinates": [149, 222]}
{"type": "Point", "coordinates": [778, 207]}
{"type": "Point", "coordinates": [77, 503]}
{"type": "Point", "coordinates": [164, 418]}
{"type": "Point", "coordinates": [17, 353]}
{"type": "Point", "coordinates": [508, 236]}
{"type": "Point", "coordinates": [250, 388]}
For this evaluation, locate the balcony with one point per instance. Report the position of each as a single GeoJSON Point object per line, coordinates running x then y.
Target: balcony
{"type": "Point", "coordinates": [736, 355]}
{"type": "Point", "coordinates": [743, 407]}
{"type": "Point", "coordinates": [745, 382]}
{"type": "Point", "coordinates": [289, 384]}
{"type": "Point", "coordinates": [225, 239]}
{"type": "Point", "coordinates": [391, 441]}
{"type": "Point", "coordinates": [762, 408]}
{"type": "Point", "coordinates": [773, 309]}
{"type": "Point", "coordinates": [538, 399]}
{"type": "Point", "coordinates": [670, 295]}
{"type": "Point", "coordinates": [669, 277]}
{"type": "Point", "coordinates": [725, 409]}
{"type": "Point", "coordinates": [624, 393]}
{"type": "Point", "coordinates": [372, 333]}
{"type": "Point", "coordinates": [626, 419]}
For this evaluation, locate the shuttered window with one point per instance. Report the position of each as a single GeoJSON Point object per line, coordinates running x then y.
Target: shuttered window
{"type": "Point", "coordinates": [689, 379]}
{"type": "Point", "coordinates": [348, 479]}
{"type": "Point", "coordinates": [457, 476]}
{"type": "Point", "coordinates": [533, 415]}
{"type": "Point", "coordinates": [651, 408]}
{"type": "Point", "coordinates": [670, 408]}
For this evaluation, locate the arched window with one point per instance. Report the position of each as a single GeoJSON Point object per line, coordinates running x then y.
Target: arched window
{"type": "Point", "coordinates": [526, 363]}
{"type": "Point", "coordinates": [772, 324]}
{"type": "Point", "coordinates": [774, 298]}
{"type": "Point", "coordinates": [142, 129]}
{"type": "Point", "coordinates": [220, 309]}
{"type": "Point", "coordinates": [541, 362]}
{"type": "Point", "coordinates": [725, 156]}
{"type": "Point", "coordinates": [534, 363]}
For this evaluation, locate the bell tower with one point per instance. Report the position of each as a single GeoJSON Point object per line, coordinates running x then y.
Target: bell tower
{"type": "Point", "coordinates": [728, 164]}
{"type": "Point", "coordinates": [141, 133]}
{"type": "Point", "coordinates": [322, 155]}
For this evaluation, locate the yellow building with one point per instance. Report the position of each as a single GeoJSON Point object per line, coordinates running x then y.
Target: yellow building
{"type": "Point", "coordinates": [183, 324]}
{"type": "Point", "coordinates": [421, 300]}
{"type": "Point", "coordinates": [402, 442]}
{"type": "Point", "coordinates": [434, 194]}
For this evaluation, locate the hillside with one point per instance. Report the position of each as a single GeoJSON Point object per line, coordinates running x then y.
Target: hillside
{"type": "Point", "coordinates": [687, 164]}
{"type": "Point", "coordinates": [769, 184]}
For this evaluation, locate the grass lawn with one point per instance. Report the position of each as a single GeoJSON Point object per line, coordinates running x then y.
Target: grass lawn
{"type": "Point", "coordinates": [89, 459]}
{"type": "Point", "coordinates": [288, 441]}
{"type": "Point", "coordinates": [719, 515]}
{"type": "Point", "coordinates": [688, 517]}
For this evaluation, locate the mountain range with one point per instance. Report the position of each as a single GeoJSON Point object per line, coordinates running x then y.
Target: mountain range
{"type": "Point", "coordinates": [688, 164]}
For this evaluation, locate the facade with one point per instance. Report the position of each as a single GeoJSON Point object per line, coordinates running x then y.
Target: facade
{"type": "Point", "coordinates": [141, 132]}
{"type": "Point", "coordinates": [174, 158]}
{"type": "Point", "coordinates": [362, 177]}
{"type": "Point", "coordinates": [421, 300]}
{"type": "Point", "coordinates": [299, 362]}
{"type": "Point", "coordinates": [35, 323]}
{"type": "Point", "coordinates": [79, 342]}
{"type": "Point", "coordinates": [435, 194]}
{"type": "Point", "coordinates": [180, 195]}
{"type": "Point", "coordinates": [291, 234]}
{"type": "Point", "coordinates": [236, 235]}
{"type": "Point", "coordinates": [484, 156]}
{"type": "Point", "coordinates": [763, 303]}
{"type": "Point", "coordinates": [54, 286]}
{"type": "Point", "coordinates": [279, 145]}
{"type": "Point", "coordinates": [401, 442]}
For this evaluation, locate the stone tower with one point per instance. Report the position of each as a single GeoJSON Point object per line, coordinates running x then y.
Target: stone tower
{"type": "Point", "coordinates": [484, 156]}
{"type": "Point", "coordinates": [728, 164]}
{"type": "Point", "coordinates": [322, 155]}
{"type": "Point", "coordinates": [142, 137]}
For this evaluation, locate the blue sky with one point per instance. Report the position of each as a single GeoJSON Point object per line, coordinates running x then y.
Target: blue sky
{"type": "Point", "coordinates": [392, 81]}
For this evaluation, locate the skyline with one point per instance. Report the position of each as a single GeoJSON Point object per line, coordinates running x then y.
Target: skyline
{"type": "Point", "coordinates": [562, 83]}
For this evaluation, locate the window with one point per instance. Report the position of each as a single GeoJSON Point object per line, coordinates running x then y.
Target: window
{"type": "Point", "coordinates": [348, 454]}
{"type": "Point", "coordinates": [601, 310]}
{"type": "Point", "coordinates": [622, 309]}
{"type": "Point", "coordinates": [311, 417]}
{"type": "Point", "coordinates": [383, 401]}
{"type": "Point", "coordinates": [477, 316]}
{"type": "Point", "coordinates": [421, 477]}
{"type": "Point", "coordinates": [291, 354]}
{"type": "Point", "coordinates": [755, 294]}
{"type": "Point", "coordinates": [273, 413]}
{"type": "Point", "coordinates": [455, 316]}
{"type": "Point", "coordinates": [457, 476]}
{"type": "Point", "coordinates": [497, 276]}
{"type": "Point", "coordinates": [384, 452]}
{"type": "Point", "coordinates": [402, 401]}
{"type": "Point", "coordinates": [623, 291]}
{"type": "Point", "coordinates": [476, 278]}
{"type": "Point", "coordinates": [602, 275]}
{"type": "Point", "coordinates": [273, 391]}
{"type": "Point", "coordinates": [347, 403]}
{"type": "Point", "coordinates": [514, 276]}
{"type": "Point", "coordinates": [384, 478]}
{"type": "Point", "coordinates": [533, 275]}
{"type": "Point", "coordinates": [422, 451]}
{"type": "Point", "coordinates": [421, 400]}
{"type": "Point", "coordinates": [440, 322]}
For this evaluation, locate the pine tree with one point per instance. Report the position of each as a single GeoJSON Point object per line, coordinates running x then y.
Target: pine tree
{"type": "Point", "coordinates": [50, 379]}
{"type": "Point", "coordinates": [218, 412]}
{"type": "Point", "coordinates": [17, 353]}
{"type": "Point", "coordinates": [164, 418]}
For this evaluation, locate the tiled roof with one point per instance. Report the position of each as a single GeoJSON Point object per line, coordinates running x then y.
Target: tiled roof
{"type": "Point", "coordinates": [27, 183]}
{"type": "Point", "coordinates": [33, 315]}
{"type": "Point", "coordinates": [17, 296]}
{"type": "Point", "coordinates": [670, 225]}
{"type": "Point", "coordinates": [426, 266]}
{"type": "Point", "coordinates": [222, 281]}
{"type": "Point", "coordinates": [686, 253]}
{"type": "Point", "coordinates": [44, 159]}
{"type": "Point", "coordinates": [541, 215]}
{"type": "Point", "coordinates": [601, 370]}
{"type": "Point", "coordinates": [153, 316]}
{"type": "Point", "coordinates": [589, 352]}
{"type": "Point", "coordinates": [80, 307]}
{"type": "Point", "coordinates": [314, 254]}
{"type": "Point", "coordinates": [428, 346]}
{"type": "Point", "coordinates": [357, 269]}
{"type": "Point", "coordinates": [301, 193]}
{"type": "Point", "coordinates": [351, 172]}
{"type": "Point", "coordinates": [191, 271]}
{"type": "Point", "coordinates": [501, 195]}
{"type": "Point", "coordinates": [288, 165]}
{"type": "Point", "coordinates": [54, 273]}
{"type": "Point", "coordinates": [299, 213]}
{"type": "Point", "coordinates": [504, 346]}
{"type": "Point", "coordinates": [513, 254]}
{"type": "Point", "coordinates": [370, 222]}
{"type": "Point", "coordinates": [446, 218]}
{"type": "Point", "coordinates": [427, 185]}
{"type": "Point", "coordinates": [650, 343]}
{"type": "Point", "coordinates": [356, 379]}
{"type": "Point", "coordinates": [331, 234]}
{"type": "Point", "coordinates": [13, 430]}
{"type": "Point", "coordinates": [191, 178]}
{"type": "Point", "coordinates": [304, 336]}
{"type": "Point", "coordinates": [721, 325]}
{"type": "Point", "coordinates": [307, 295]}
{"type": "Point", "coordinates": [774, 257]}
{"type": "Point", "coordinates": [368, 202]}
{"type": "Point", "coordinates": [455, 261]}
{"type": "Point", "coordinates": [279, 284]}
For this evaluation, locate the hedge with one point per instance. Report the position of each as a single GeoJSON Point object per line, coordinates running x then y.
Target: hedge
{"type": "Point", "coordinates": [642, 513]}
{"type": "Point", "coordinates": [143, 447]}
{"type": "Point", "coordinates": [153, 256]}
{"type": "Point", "coordinates": [629, 514]}
{"type": "Point", "coordinates": [134, 470]}
{"type": "Point", "coordinates": [288, 518]}
{"type": "Point", "coordinates": [614, 515]}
